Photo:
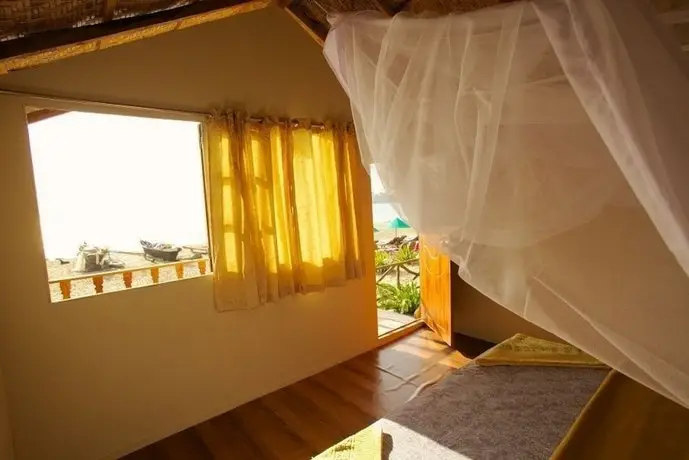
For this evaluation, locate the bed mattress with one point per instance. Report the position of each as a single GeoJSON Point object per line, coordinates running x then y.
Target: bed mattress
{"type": "Point", "coordinates": [490, 412]}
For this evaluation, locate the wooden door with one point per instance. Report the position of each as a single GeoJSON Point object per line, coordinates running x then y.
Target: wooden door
{"type": "Point", "coordinates": [436, 306]}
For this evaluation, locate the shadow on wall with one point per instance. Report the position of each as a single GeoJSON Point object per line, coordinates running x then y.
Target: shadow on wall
{"type": "Point", "coordinates": [476, 316]}
{"type": "Point", "coordinates": [470, 346]}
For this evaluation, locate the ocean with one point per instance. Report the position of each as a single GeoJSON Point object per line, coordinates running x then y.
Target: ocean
{"type": "Point", "coordinates": [383, 212]}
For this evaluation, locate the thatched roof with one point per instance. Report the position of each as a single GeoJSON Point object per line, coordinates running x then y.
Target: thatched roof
{"type": "Point", "coordinates": [36, 31]}
{"type": "Point", "coordinates": [312, 14]}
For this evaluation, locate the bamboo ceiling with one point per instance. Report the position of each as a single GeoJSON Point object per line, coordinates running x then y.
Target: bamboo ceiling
{"type": "Point", "coordinates": [33, 32]}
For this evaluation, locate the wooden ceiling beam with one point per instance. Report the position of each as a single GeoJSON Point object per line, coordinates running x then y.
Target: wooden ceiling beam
{"type": "Point", "coordinates": [315, 29]}
{"type": "Point", "coordinates": [48, 46]}
{"type": "Point", "coordinates": [109, 7]}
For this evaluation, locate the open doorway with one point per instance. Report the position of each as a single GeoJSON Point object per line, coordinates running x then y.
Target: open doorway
{"type": "Point", "coordinates": [398, 291]}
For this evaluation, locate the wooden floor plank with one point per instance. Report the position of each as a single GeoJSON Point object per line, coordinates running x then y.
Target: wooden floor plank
{"type": "Point", "coordinates": [393, 389]}
{"type": "Point", "coordinates": [185, 445]}
{"type": "Point", "coordinates": [387, 394]}
{"type": "Point", "coordinates": [147, 453]}
{"type": "Point", "coordinates": [225, 444]}
{"type": "Point", "coordinates": [315, 429]}
{"type": "Point", "coordinates": [317, 410]}
{"type": "Point", "coordinates": [275, 438]}
{"type": "Point", "coordinates": [302, 420]}
{"type": "Point", "coordinates": [346, 415]}
{"type": "Point", "coordinates": [240, 444]}
{"type": "Point", "coordinates": [369, 402]}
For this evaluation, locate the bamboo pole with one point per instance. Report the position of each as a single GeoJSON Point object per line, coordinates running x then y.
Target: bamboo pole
{"type": "Point", "coordinates": [397, 266]}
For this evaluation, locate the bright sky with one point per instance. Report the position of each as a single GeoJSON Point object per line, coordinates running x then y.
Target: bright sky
{"type": "Point", "coordinates": [376, 184]}
{"type": "Point", "coordinates": [113, 180]}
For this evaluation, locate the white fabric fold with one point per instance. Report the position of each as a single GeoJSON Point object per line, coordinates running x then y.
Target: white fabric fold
{"type": "Point", "coordinates": [543, 146]}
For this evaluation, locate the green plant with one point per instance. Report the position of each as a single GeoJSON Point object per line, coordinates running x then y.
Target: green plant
{"type": "Point", "coordinates": [406, 253]}
{"type": "Point", "coordinates": [404, 299]}
{"type": "Point", "coordinates": [382, 258]}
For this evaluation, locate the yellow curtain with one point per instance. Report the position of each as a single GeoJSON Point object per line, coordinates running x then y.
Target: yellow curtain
{"type": "Point", "coordinates": [282, 204]}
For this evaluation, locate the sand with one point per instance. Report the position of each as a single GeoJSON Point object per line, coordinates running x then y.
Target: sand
{"type": "Point", "coordinates": [386, 234]}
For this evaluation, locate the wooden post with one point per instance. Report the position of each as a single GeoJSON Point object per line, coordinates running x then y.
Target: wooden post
{"type": "Point", "coordinates": [315, 30]}
{"type": "Point", "coordinates": [387, 271]}
{"type": "Point", "coordinates": [155, 274]}
{"type": "Point", "coordinates": [127, 278]}
{"type": "Point", "coordinates": [109, 7]}
{"type": "Point", "coordinates": [66, 289]}
{"type": "Point", "coordinates": [98, 283]}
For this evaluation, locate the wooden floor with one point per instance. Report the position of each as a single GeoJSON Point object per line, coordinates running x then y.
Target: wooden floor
{"type": "Point", "coordinates": [302, 420]}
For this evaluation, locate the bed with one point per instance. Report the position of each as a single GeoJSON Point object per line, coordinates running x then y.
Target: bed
{"type": "Point", "coordinates": [527, 399]}
{"type": "Point", "coordinates": [497, 412]}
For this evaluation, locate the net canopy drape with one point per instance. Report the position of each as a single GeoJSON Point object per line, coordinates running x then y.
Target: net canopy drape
{"type": "Point", "coordinates": [544, 145]}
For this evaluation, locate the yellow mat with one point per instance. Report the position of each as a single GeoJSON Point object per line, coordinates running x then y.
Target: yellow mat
{"type": "Point", "coordinates": [522, 350]}
{"type": "Point", "coordinates": [626, 421]}
{"type": "Point", "coordinates": [364, 445]}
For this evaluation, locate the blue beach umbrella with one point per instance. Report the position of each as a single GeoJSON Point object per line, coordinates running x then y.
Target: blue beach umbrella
{"type": "Point", "coordinates": [398, 223]}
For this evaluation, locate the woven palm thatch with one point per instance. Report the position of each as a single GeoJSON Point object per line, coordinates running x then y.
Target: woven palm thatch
{"type": "Point", "coordinates": [20, 18]}
{"type": "Point", "coordinates": [33, 32]}
{"type": "Point", "coordinates": [317, 10]}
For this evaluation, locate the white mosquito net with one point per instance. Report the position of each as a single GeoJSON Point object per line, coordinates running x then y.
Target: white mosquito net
{"type": "Point", "coordinates": [545, 146]}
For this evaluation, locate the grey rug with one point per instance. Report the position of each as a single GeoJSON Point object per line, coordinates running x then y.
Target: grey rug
{"type": "Point", "coordinates": [482, 413]}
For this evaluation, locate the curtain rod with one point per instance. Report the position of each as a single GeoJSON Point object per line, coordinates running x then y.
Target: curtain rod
{"type": "Point", "coordinates": [142, 108]}
{"type": "Point", "coordinates": [292, 121]}
{"type": "Point", "coordinates": [112, 105]}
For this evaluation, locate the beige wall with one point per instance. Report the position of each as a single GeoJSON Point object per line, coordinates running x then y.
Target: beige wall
{"type": "Point", "coordinates": [475, 315]}
{"type": "Point", "coordinates": [261, 61]}
{"type": "Point", "coordinates": [98, 377]}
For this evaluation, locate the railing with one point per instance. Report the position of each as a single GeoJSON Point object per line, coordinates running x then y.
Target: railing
{"type": "Point", "coordinates": [386, 269]}
{"type": "Point", "coordinates": [97, 278]}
